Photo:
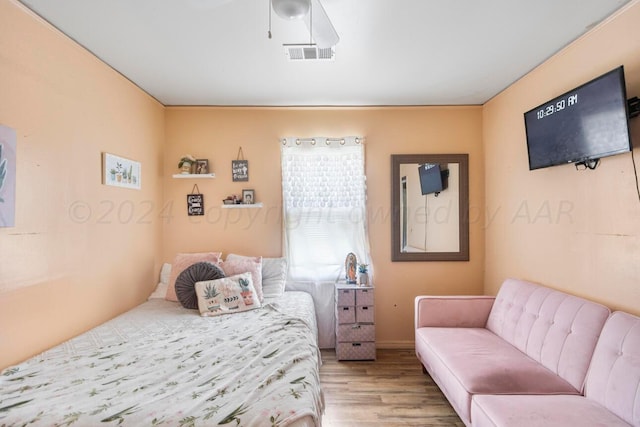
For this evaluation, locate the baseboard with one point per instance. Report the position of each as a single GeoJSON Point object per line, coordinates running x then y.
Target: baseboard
{"type": "Point", "coordinates": [400, 345]}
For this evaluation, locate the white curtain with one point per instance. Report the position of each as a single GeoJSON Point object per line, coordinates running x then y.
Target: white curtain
{"type": "Point", "coordinates": [324, 204]}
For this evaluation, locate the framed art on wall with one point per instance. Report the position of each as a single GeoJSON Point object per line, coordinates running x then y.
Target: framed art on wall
{"type": "Point", "coordinates": [120, 172]}
{"type": "Point", "coordinates": [240, 168]}
{"type": "Point", "coordinates": [8, 142]}
{"type": "Point", "coordinates": [195, 202]}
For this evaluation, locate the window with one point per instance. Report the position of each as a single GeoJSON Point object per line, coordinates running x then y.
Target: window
{"type": "Point", "coordinates": [324, 203]}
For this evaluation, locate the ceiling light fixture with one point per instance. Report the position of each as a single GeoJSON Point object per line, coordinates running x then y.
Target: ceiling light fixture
{"type": "Point", "coordinates": [314, 16]}
{"type": "Point", "coordinates": [291, 9]}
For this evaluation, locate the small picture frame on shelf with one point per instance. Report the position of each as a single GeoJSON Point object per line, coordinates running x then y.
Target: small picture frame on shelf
{"type": "Point", "coordinates": [248, 197]}
{"type": "Point", "coordinates": [202, 166]}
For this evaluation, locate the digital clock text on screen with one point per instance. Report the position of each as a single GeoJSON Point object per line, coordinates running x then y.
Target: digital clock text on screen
{"type": "Point", "coordinates": [557, 106]}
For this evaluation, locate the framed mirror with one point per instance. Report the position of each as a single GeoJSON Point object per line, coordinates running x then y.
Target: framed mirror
{"type": "Point", "coordinates": [430, 207]}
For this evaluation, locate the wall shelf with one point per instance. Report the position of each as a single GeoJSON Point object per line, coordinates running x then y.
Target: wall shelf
{"type": "Point", "coordinates": [242, 206]}
{"type": "Point", "coordinates": [194, 175]}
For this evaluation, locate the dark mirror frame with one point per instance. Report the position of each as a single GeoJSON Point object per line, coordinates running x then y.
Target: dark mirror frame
{"type": "Point", "coordinates": [463, 161]}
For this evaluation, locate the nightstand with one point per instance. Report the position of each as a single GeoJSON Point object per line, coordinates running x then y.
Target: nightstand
{"type": "Point", "coordinates": [355, 323]}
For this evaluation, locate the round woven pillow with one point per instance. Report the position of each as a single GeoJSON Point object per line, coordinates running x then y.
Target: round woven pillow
{"type": "Point", "coordinates": [186, 282]}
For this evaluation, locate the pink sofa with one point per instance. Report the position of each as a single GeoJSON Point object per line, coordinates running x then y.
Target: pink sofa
{"type": "Point", "coordinates": [528, 340]}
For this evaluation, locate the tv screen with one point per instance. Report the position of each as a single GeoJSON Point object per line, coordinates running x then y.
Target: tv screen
{"type": "Point", "coordinates": [430, 178]}
{"type": "Point", "coordinates": [584, 124]}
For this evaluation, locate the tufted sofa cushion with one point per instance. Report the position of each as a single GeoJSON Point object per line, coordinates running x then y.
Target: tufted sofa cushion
{"type": "Point", "coordinates": [614, 375]}
{"type": "Point", "coordinates": [612, 390]}
{"type": "Point", "coordinates": [540, 411]}
{"type": "Point", "coordinates": [557, 330]}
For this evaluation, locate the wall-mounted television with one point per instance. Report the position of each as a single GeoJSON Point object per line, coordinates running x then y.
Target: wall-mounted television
{"type": "Point", "coordinates": [432, 178]}
{"type": "Point", "coordinates": [582, 125]}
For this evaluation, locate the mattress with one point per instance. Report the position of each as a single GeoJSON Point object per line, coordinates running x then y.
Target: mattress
{"type": "Point", "coordinates": [161, 364]}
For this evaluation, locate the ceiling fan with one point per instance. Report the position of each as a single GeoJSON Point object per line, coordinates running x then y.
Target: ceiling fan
{"type": "Point", "coordinates": [321, 29]}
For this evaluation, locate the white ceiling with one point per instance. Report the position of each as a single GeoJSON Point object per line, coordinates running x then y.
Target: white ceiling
{"type": "Point", "coordinates": [391, 52]}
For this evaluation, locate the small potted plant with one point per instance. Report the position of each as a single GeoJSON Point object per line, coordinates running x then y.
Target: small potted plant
{"type": "Point", "coordinates": [118, 172]}
{"type": "Point", "coordinates": [210, 292]}
{"type": "Point", "coordinates": [3, 171]}
{"type": "Point", "coordinates": [247, 295]}
{"type": "Point", "coordinates": [363, 274]}
{"type": "Point", "coordinates": [185, 163]}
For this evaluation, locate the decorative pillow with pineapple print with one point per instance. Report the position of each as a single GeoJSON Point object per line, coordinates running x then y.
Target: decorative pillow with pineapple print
{"type": "Point", "coordinates": [232, 294]}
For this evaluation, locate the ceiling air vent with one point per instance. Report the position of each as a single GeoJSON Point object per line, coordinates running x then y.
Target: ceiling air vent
{"type": "Point", "coordinates": [308, 52]}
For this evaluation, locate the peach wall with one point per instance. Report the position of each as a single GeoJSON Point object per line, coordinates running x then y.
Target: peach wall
{"type": "Point", "coordinates": [80, 252]}
{"type": "Point", "coordinates": [217, 133]}
{"type": "Point", "coordinates": [577, 231]}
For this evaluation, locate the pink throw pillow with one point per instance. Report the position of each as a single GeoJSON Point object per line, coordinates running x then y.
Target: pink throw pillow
{"type": "Point", "coordinates": [253, 265]}
{"type": "Point", "coordinates": [184, 260]}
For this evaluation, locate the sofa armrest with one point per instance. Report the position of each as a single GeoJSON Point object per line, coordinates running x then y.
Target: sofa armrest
{"type": "Point", "coordinates": [453, 311]}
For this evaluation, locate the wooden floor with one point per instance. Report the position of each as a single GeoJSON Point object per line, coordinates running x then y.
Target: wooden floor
{"type": "Point", "coordinates": [391, 391]}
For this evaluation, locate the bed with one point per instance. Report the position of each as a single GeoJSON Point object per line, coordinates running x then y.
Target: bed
{"type": "Point", "coordinates": [162, 364]}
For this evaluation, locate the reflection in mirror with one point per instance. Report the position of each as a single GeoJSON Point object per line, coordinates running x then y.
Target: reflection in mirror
{"type": "Point", "coordinates": [430, 207]}
{"type": "Point", "coordinates": [429, 220]}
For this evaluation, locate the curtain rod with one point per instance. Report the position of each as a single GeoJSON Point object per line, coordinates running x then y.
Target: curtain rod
{"type": "Point", "coordinates": [327, 141]}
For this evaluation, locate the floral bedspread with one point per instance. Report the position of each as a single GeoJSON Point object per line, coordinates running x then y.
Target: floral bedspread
{"type": "Point", "coordinates": [160, 364]}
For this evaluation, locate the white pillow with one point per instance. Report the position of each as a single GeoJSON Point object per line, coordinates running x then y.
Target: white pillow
{"type": "Point", "coordinates": [165, 273]}
{"type": "Point", "coordinates": [161, 288]}
{"type": "Point", "coordinates": [160, 292]}
{"type": "Point", "coordinates": [274, 275]}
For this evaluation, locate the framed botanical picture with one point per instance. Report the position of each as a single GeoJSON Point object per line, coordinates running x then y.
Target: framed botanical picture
{"type": "Point", "coordinates": [248, 197]}
{"type": "Point", "coordinates": [8, 144]}
{"type": "Point", "coordinates": [120, 172]}
{"type": "Point", "coordinates": [202, 166]}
